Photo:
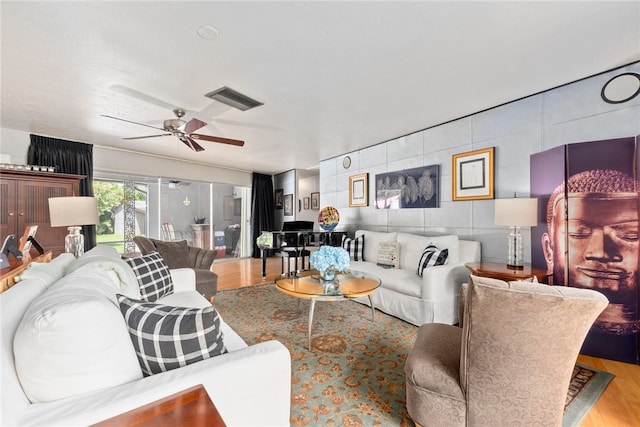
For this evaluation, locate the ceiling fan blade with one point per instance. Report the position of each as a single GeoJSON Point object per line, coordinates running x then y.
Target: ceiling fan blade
{"type": "Point", "coordinates": [191, 143]}
{"type": "Point", "coordinates": [129, 121]}
{"type": "Point", "coordinates": [236, 142]}
{"type": "Point", "coordinates": [193, 125]}
{"type": "Point", "coordinates": [148, 136]}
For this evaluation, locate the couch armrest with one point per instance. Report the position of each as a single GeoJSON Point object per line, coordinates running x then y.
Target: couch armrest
{"type": "Point", "coordinates": [443, 281]}
{"type": "Point", "coordinates": [256, 377]}
{"type": "Point", "coordinates": [184, 279]}
{"type": "Point", "coordinates": [202, 258]}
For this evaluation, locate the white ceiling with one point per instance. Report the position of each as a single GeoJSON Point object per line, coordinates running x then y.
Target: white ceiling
{"type": "Point", "coordinates": [334, 76]}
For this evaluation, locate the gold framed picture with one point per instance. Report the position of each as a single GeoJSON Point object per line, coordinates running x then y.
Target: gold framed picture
{"type": "Point", "coordinates": [359, 190]}
{"type": "Point", "coordinates": [473, 175]}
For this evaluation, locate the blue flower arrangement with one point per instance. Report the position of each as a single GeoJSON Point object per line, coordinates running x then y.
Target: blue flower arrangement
{"type": "Point", "coordinates": [328, 256]}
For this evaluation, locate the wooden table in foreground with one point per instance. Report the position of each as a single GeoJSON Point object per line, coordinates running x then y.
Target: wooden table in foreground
{"type": "Point", "coordinates": [16, 267]}
{"type": "Point", "coordinates": [191, 407]}
{"type": "Point", "coordinates": [499, 271]}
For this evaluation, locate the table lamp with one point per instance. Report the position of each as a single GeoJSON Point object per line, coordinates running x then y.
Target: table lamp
{"type": "Point", "coordinates": [73, 212]}
{"type": "Point", "coordinates": [516, 213]}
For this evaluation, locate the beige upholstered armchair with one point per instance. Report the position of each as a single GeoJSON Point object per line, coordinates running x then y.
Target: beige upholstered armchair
{"type": "Point", "coordinates": [178, 254]}
{"type": "Point", "coordinates": [511, 361]}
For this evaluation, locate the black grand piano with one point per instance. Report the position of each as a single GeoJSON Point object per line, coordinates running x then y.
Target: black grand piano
{"type": "Point", "coordinates": [293, 241]}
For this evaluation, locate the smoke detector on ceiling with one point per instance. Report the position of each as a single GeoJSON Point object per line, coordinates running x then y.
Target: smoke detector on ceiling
{"type": "Point", "coordinates": [233, 98]}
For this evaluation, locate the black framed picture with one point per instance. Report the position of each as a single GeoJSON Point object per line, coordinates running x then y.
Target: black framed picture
{"type": "Point", "coordinates": [315, 201]}
{"type": "Point", "coordinates": [279, 193]}
{"type": "Point", "coordinates": [307, 203]}
{"type": "Point", "coordinates": [409, 188]}
{"type": "Point", "coordinates": [288, 205]}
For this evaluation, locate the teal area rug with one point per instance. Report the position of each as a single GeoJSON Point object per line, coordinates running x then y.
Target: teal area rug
{"type": "Point", "coordinates": [355, 374]}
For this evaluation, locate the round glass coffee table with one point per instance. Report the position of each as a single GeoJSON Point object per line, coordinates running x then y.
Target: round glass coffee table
{"type": "Point", "coordinates": [348, 284]}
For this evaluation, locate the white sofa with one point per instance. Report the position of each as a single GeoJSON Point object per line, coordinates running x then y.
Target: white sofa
{"type": "Point", "coordinates": [249, 385]}
{"type": "Point", "coordinates": [432, 298]}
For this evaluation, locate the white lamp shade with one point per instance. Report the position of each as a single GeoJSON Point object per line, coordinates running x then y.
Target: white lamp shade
{"type": "Point", "coordinates": [73, 211]}
{"type": "Point", "coordinates": [516, 212]}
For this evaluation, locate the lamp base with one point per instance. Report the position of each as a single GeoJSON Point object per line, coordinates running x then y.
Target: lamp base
{"type": "Point", "coordinates": [515, 257]}
{"type": "Point", "coordinates": [74, 241]}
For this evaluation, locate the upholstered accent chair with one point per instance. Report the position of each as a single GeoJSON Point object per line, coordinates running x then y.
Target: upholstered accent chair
{"type": "Point", "coordinates": [511, 361]}
{"type": "Point", "coordinates": [178, 254]}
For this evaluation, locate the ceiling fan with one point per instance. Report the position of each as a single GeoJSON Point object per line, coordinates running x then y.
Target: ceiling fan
{"type": "Point", "coordinates": [183, 131]}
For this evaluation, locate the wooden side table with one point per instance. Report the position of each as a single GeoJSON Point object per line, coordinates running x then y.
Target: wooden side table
{"type": "Point", "coordinates": [192, 407]}
{"type": "Point", "coordinates": [8, 274]}
{"type": "Point", "coordinates": [499, 271]}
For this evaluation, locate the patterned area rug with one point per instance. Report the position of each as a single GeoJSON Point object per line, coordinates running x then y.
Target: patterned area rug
{"type": "Point", "coordinates": [586, 387]}
{"type": "Point", "coordinates": [355, 374]}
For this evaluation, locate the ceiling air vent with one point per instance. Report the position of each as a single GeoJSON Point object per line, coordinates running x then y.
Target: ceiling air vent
{"type": "Point", "coordinates": [228, 96]}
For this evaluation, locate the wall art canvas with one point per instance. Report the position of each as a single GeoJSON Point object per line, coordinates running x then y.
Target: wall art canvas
{"type": "Point", "coordinates": [587, 234]}
{"type": "Point", "coordinates": [409, 188]}
{"type": "Point", "coordinates": [278, 198]}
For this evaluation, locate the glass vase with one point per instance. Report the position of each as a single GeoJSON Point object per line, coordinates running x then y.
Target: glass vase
{"type": "Point", "coordinates": [328, 275]}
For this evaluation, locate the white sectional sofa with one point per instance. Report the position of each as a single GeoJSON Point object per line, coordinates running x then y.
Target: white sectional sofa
{"type": "Point", "coordinates": [432, 298]}
{"type": "Point", "coordinates": [89, 361]}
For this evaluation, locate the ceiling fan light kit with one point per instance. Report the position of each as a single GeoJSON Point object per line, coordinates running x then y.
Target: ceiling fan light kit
{"type": "Point", "coordinates": [233, 98]}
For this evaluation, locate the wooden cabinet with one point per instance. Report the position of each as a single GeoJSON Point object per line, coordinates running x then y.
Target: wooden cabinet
{"type": "Point", "coordinates": [24, 200]}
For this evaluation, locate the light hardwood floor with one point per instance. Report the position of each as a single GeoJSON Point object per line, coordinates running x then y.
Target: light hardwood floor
{"type": "Point", "coordinates": [619, 405]}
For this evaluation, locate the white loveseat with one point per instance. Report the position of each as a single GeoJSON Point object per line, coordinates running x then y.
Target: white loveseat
{"type": "Point", "coordinates": [250, 385]}
{"type": "Point", "coordinates": [432, 298]}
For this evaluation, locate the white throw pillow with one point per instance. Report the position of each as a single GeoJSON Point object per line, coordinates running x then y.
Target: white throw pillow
{"type": "Point", "coordinates": [388, 255]}
{"type": "Point", "coordinates": [73, 339]}
{"type": "Point", "coordinates": [372, 242]}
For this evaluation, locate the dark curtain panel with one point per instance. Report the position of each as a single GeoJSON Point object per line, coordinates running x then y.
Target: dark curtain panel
{"type": "Point", "coordinates": [262, 208]}
{"type": "Point", "coordinates": [68, 157]}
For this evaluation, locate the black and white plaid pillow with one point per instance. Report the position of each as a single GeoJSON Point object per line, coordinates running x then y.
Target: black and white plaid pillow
{"type": "Point", "coordinates": [167, 337]}
{"type": "Point", "coordinates": [355, 247]}
{"type": "Point", "coordinates": [432, 256]}
{"type": "Point", "coordinates": [153, 276]}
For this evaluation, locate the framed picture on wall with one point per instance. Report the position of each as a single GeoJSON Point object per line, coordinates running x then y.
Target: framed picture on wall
{"type": "Point", "coordinates": [306, 203]}
{"type": "Point", "coordinates": [359, 190]}
{"type": "Point", "coordinates": [473, 175]}
{"type": "Point", "coordinates": [408, 188]}
{"type": "Point", "coordinates": [288, 205]}
{"type": "Point", "coordinates": [315, 201]}
{"type": "Point", "coordinates": [278, 198]}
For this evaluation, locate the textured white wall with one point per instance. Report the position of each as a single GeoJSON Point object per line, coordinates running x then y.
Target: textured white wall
{"type": "Point", "coordinates": [571, 113]}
